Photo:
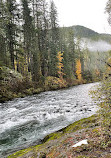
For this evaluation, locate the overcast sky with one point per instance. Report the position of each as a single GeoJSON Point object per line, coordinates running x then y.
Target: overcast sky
{"type": "Point", "coordinates": [88, 13]}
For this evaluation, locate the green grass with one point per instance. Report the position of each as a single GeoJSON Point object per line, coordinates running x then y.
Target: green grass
{"type": "Point", "coordinates": [20, 153]}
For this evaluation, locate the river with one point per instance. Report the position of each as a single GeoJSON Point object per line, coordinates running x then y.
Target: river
{"type": "Point", "coordinates": [26, 121]}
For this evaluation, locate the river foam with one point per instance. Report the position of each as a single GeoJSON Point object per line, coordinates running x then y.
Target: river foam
{"type": "Point", "coordinates": [25, 121]}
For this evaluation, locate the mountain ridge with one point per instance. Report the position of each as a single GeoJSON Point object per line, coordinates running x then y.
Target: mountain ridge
{"type": "Point", "coordinates": [84, 32]}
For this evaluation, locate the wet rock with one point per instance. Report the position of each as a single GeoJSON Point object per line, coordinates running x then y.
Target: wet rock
{"type": "Point", "coordinates": [57, 111]}
{"type": "Point", "coordinates": [44, 115]}
{"type": "Point", "coordinates": [85, 109]}
{"type": "Point", "coordinates": [68, 111]}
{"type": "Point", "coordinates": [24, 139]}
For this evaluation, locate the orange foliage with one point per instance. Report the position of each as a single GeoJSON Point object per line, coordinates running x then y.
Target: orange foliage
{"type": "Point", "coordinates": [78, 69]}
{"type": "Point", "coordinates": [97, 72]}
{"type": "Point", "coordinates": [60, 64]}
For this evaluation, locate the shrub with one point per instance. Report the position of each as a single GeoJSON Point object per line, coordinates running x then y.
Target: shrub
{"type": "Point", "coordinates": [104, 97]}
{"type": "Point", "coordinates": [54, 83]}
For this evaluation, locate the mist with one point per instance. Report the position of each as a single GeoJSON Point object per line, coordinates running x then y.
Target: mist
{"type": "Point", "coordinates": [96, 46]}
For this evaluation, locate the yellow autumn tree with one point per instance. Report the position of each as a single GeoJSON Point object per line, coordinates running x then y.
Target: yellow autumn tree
{"type": "Point", "coordinates": [78, 69]}
{"type": "Point", "coordinates": [60, 65]}
{"type": "Point", "coordinates": [15, 65]}
{"type": "Point", "coordinates": [97, 72]}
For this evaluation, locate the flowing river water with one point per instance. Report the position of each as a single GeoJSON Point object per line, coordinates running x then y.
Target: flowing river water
{"type": "Point", "coordinates": [26, 121]}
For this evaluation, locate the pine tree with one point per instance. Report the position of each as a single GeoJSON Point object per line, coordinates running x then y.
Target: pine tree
{"type": "Point", "coordinates": [2, 34]}
{"type": "Point", "coordinates": [64, 48]}
{"type": "Point", "coordinates": [36, 72]}
{"type": "Point", "coordinates": [27, 34]}
{"type": "Point", "coordinates": [71, 51]}
{"type": "Point", "coordinates": [11, 28]}
{"type": "Point", "coordinates": [108, 10]}
{"type": "Point", "coordinates": [43, 37]}
{"type": "Point", "coordinates": [54, 40]}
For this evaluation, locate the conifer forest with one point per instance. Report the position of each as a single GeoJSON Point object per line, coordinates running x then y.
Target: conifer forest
{"type": "Point", "coordinates": [36, 56]}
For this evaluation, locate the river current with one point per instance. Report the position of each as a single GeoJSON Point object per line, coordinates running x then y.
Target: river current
{"type": "Point", "coordinates": [26, 121]}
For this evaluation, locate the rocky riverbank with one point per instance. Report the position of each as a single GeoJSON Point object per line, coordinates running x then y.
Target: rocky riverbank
{"type": "Point", "coordinates": [59, 144]}
{"type": "Point", "coordinates": [14, 85]}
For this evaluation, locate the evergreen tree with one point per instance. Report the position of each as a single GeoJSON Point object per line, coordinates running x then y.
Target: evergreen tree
{"type": "Point", "coordinates": [71, 51]}
{"type": "Point", "coordinates": [54, 40]}
{"type": "Point", "coordinates": [27, 33]}
{"type": "Point", "coordinates": [2, 33]}
{"type": "Point", "coordinates": [11, 28]}
{"type": "Point", "coordinates": [63, 45]}
{"type": "Point", "coordinates": [43, 32]}
{"type": "Point", "coordinates": [35, 42]}
{"type": "Point", "coordinates": [108, 10]}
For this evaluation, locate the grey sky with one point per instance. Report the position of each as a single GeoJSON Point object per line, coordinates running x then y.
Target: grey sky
{"type": "Point", "coordinates": [89, 13]}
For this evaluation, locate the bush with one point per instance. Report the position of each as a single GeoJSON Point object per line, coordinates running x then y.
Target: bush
{"type": "Point", "coordinates": [53, 83]}
{"type": "Point", "coordinates": [105, 105]}
{"type": "Point", "coordinates": [104, 96]}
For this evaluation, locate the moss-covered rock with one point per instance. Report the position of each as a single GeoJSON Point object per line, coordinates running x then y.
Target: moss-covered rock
{"type": "Point", "coordinates": [78, 125]}
{"type": "Point", "coordinates": [20, 153]}
{"type": "Point", "coordinates": [14, 85]}
{"type": "Point", "coordinates": [7, 74]}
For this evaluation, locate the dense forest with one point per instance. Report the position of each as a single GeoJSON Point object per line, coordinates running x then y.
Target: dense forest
{"type": "Point", "coordinates": [36, 54]}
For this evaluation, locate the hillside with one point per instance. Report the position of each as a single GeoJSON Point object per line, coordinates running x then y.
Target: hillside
{"type": "Point", "coordinates": [95, 42]}
{"type": "Point", "coordinates": [84, 32]}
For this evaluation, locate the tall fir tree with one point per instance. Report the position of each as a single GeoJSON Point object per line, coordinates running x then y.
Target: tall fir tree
{"type": "Point", "coordinates": [71, 51]}
{"type": "Point", "coordinates": [35, 42]}
{"type": "Point", "coordinates": [27, 34]}
{"type": "Point", "coordinates": [11, 28]}
{"type": "Point", "coordinates": [54, 40]}
{"type": "Point", "coordinates": [2, 33]}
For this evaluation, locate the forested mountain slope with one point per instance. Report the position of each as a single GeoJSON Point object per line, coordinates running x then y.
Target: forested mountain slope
{"type": "Point", "coordinates": [84, 32]}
